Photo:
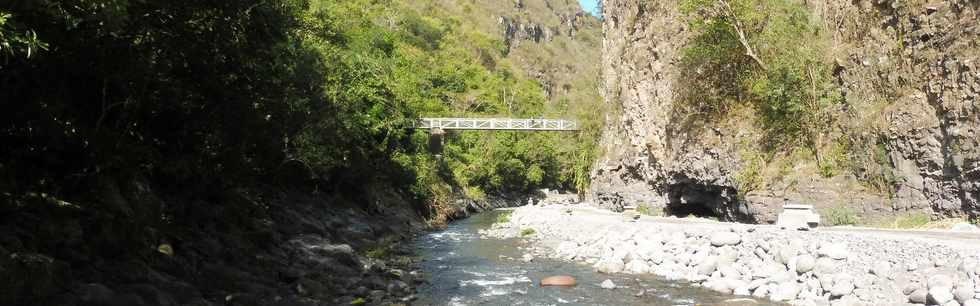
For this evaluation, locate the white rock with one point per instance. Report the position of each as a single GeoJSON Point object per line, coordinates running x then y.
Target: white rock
{"type": "Point", "coordinates": [964, 227]}
{"type": "Point", "coordinates": [940, 295]}
{"type": "Point", "coordinates": [968, 265]}
{"type": "Point", "coordinates": [846, 301]}
{"type": "Point", "coordinates": [973, 302]}
{"type": "Point", "coordinates": [834, 251]}
{"type": "Point", "coordinates": [729, 272]}
{"type": "Point", "coordinates": [527, 257]}
{"type": "Point", "coordinates": [919, 296]}
{"type": "Point", "coordinates": [761, 292]}
{"type": "Point", "coordinates": [608, 265]}
{"type": "Point", "coordinates": [939, 280]}
{"type": "Point", "coordinates": [637, 266]}
{"type": "Point", "coordinates": [805, 263]}
{"type": "Point", "coordinates": [725, 238]}
{"type": "Point", "coordinates": [744, 291]}
{"type": "Point", "coordinates": [785, 292]}
{"type": "Point", "coordinates": [841, 288]}
{"type": "Point", "coordinates": [567, 249]}
{"type": "Point", "coordinates": [963, 293]}
{"type": "Point", "coordinates": [607, 284]}
{"type": "Point", "coordinates": [825, 266]}
{"type": "Point", "coordinates": [708, 266]}
{"type": "Point", "coordinates": [881, 269]}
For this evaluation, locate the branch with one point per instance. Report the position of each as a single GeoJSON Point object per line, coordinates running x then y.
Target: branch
{"type": "Point", "coordinates": [741, 34]}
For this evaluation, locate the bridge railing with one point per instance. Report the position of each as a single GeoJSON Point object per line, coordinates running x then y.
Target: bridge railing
{"type": "Point", "coordinates": [498, 124]}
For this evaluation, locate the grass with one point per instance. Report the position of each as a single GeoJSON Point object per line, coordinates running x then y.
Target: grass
{"type": "Point", "coordinates": [646, 210]}
{"type": "Point", "coordinates": [527, 232]}
{"type": "Point", "coordinates": [841, 215]}
{"type": "Point", "coordinates": [915, 220]}
{"type": "Point", "coordinates": [503, 217]}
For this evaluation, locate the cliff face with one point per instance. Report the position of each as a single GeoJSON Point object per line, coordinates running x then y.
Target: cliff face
{"type": "Point", "coordinates": [909, 76]}
{"type": "Point", "coordinates": [553, 41]}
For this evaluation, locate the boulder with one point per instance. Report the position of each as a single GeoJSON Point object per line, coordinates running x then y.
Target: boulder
{"type": "Point", "coordinates": [973, 302]}
{"type": "Point", "coordinates": [805, 263]}
{"type": "Point", "coordinates": [842, 288]}
{"type": "Point", "coordinates": [881, 269]}
{"type": "Point", "coordinates": [610, 266]}
{"type": "Point", "coordinates": [963, 293]}
{"type": "Point", "coordinates": [567, 250]}
{"type": "Point", "coordinates": [725, 238]}
{"type": "Point", "coordinates": [785, 291]}
{"type": "Point", "coordinates": [637, 266]}
{"type": "Point", "coordinates": [940, 295]}
{"type": "Point", "coordinates": [709, 265]}
{"type": "Point", "coordinates": [825, 265]}
{"type": "Point", "coordinates": [558, 280]}
{"type": "Point", "coordinates": [836, 251]}
{"type": "Point", "coordinates": [919, 296]}
{"type": "Point", "coordinates": [761, 292]}
{"type": "Point", "coordinates": [939, 280]}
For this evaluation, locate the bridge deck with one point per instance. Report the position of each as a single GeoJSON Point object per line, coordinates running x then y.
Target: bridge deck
{"type": "Point", "coordinates": [498, 124]}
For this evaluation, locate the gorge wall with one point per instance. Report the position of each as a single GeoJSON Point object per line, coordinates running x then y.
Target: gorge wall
{"type": "Point", "coordinates": [907, 72]}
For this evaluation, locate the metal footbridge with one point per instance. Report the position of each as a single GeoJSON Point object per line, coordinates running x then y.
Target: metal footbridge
{"type": "Point", "coordinates": [506, 124]}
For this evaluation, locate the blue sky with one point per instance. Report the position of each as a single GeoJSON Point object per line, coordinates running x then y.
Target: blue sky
{"type": "Point", "coordinates": [591, 6]}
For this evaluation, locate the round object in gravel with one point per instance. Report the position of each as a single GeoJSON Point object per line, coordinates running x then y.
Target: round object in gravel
{"type": "Point", "coordinates": [558, 280]}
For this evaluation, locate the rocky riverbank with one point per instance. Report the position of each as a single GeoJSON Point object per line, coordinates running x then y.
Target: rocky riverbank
{"type": "Point", "coordinates": [246, 246]}
{"type": "Point", "coordinates": [822, 267]}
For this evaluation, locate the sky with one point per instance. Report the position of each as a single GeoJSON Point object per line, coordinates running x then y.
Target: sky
{"type": "Point", "coordinates": [590, 6]}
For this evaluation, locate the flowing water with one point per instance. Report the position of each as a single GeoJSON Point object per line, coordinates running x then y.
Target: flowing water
{"type": "Point", "coordinates": [464, 269]}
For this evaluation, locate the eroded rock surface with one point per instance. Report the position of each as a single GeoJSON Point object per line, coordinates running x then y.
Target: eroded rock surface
{"type": "Point", "coordinates": [921, 59]}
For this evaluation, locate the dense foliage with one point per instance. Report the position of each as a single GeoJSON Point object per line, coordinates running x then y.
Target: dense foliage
{"type": "Point", "coordinates": [768, 54]}
{"type": "Point", "coordinates": [211, 93]}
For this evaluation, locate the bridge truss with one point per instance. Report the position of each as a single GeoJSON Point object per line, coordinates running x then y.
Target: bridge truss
{"type": "Point", "coordinates": [510, 124]}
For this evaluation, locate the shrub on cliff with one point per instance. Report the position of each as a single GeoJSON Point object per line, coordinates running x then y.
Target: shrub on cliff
{"type": "Point", "coordinates": [768, 54]}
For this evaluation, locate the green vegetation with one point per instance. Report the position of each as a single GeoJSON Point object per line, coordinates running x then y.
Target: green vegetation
{"type": "Point", "coordinates": [527, 232]}
{"type": "Point", "coordinates": [503, 217]}
{"type": "Point", "coordinates": [15, 40]}
{"type": "Point", "coordinates": [644, 209]}
{"type": "Point", "coordinates": [770, 62]}
{"type": "Point", "coordinates": [768, 54]}
{"type": "Point", "coordinates": [840, 215]}
{"type": "Point", "coordinates": [914, 220]}
{"type": "Point", "coordinates": [195, 97]}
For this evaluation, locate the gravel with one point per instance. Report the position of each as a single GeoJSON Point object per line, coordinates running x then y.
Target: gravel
{"type": "Point", "coordinates": [821, 267]}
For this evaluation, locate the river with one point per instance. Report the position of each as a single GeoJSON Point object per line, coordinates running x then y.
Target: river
{"type": "Point", "coordinates": [465, 269]}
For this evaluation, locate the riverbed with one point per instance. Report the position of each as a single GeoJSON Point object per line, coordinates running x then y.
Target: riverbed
{"type": "Point", "coordinates": [465, 269]}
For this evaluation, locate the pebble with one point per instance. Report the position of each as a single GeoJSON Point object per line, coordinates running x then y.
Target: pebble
{"type": "Point", "coordinates": [607, 284]}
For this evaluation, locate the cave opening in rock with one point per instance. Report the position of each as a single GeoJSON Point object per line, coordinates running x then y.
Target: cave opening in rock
{"type": "Point", "coordinates": [682, 210]}
{"type": "Point", "coordinates": [688, 197]}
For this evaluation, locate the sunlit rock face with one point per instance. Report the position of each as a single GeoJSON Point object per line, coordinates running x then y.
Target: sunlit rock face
{"type": "Point", "coordinates": [908, 75]}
